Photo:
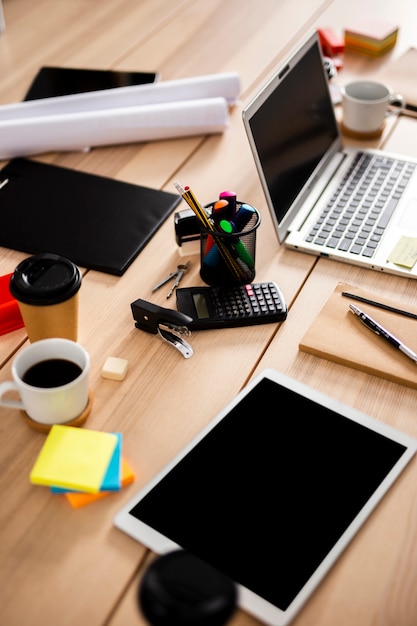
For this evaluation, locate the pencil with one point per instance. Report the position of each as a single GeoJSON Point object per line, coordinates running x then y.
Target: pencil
{"type": "Point", "coordinates": [192, 202]}
{"type": "Point", "coordinates": [380, 305]}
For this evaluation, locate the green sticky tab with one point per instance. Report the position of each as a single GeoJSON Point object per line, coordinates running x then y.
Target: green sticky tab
{"type": "Point", "coordinates": [405, 252]}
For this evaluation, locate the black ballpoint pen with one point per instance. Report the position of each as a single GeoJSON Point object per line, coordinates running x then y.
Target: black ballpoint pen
{"type": "Point", "coordinates": [370, 323]}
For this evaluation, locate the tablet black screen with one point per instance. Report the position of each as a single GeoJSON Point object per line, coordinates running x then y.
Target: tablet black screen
{"type": "Point", "coordinates": [53, 81]}
{"type": "Point", "coordinates": [270, 490]}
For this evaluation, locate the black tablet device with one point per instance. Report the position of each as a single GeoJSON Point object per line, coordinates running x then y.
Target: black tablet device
{"type": "Point", "coordinates": [271, 491]}
{"type": "Point", "coordinates": [51, 81]}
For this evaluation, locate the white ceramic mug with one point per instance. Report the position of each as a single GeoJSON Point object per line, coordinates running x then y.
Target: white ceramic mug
{"type": "Point", "coordinates": [59, 362]}
{"type": "Point", "coordinates": [366, 104]}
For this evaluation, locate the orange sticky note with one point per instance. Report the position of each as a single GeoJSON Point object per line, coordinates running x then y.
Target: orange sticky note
{"type": "Point", "coordinates": [81, 499]}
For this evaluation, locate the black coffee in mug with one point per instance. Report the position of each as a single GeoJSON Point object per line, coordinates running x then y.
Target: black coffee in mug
{"type": "Point", "coordinates": [51, 373]}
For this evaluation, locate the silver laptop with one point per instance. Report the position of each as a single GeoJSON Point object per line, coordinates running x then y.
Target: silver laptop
{"type": "Point", "coordinates": [352, 205]}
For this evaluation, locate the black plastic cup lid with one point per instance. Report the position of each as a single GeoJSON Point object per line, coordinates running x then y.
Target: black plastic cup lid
{"type": "Point", "coordinates": [179, 589]}
{"type": "Point", "coordinates": [45, 279]}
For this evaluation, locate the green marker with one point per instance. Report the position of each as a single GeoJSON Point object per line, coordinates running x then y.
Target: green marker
{"type": "Point", "coordinates": [239, 246]}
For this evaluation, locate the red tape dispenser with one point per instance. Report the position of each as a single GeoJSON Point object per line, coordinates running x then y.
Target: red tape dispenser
{"type": "Point", "coordinates": [10, 317]}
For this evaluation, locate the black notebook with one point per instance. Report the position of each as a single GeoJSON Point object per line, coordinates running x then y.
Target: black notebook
{"type": "Point", "coordinates": [96, 222]}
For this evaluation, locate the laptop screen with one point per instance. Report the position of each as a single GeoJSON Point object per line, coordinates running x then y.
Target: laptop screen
{"type": "Point", "coordinates": [291, 126]}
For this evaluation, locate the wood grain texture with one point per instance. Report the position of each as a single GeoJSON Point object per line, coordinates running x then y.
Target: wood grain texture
{"type": "Point", "coordinates": [64, 566]}
{"type": "Point", "coordinates": [338, 335]}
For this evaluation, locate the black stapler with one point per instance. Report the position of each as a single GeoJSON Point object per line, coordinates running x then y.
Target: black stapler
{"type": "Point", "coordinates": [170, 325]}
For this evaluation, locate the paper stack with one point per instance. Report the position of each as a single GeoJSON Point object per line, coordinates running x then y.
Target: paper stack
{"type": "Point", "coordinates": [370, 36]}
{"type": "Point", "coordinates": [83, 464]}
{"type": "Point", "coordinates": [194, 106]}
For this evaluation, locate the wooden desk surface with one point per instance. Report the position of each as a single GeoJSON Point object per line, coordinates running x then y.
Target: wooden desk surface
{"type": "Point", "coordinates": [64, 566]}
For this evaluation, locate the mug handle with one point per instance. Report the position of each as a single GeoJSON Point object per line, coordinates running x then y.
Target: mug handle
{"type": "Point", "coordinates": [396, 104]}
{"type": "Point", "coordinates": [13, 404]}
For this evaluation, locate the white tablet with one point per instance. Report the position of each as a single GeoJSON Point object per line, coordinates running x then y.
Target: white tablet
{"type": "Point", "coordinates": [271, 491]}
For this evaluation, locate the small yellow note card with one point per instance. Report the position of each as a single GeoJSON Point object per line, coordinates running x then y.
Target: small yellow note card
{"type": "Point", "coordinates": [74, 458]}
{"type": "Point", "coordinates": [405, 252]}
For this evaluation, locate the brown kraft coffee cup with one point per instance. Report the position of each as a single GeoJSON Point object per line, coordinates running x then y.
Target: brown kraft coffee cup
{"type": "Point", "coordinates": [46, 287]}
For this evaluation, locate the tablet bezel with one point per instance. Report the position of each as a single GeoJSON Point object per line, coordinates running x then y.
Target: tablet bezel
{"type": "Point", "coordinates": [249, 600]}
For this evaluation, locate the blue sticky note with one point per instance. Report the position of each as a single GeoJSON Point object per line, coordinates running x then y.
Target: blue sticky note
{"type": "Point", "coordinates": [112, 480]}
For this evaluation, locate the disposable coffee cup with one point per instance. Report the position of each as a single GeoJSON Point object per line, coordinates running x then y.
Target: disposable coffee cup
{"type": "Point", "coordinates": [46, 287]}
{"type": "Point", "coordinates": [50, 378]}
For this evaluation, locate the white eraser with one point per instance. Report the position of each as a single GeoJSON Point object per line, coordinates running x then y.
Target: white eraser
{"type": "Point", "coordinates": [114, 368]}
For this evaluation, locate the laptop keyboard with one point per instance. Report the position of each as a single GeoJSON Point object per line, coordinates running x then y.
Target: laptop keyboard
{"type": "Point", "coordinates": [359, 211]}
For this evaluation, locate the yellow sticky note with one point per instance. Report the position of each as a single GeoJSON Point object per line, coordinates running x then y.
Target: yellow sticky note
{"type": "Point", "coordinates": [405, 252]}
{"type": "Point", "coordinates": [74, 458]}
{"type": "Point", "coordinates": [81, 499]}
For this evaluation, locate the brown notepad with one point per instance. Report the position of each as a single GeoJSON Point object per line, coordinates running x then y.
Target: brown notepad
{"type": "Point", "coordinates": [401, 75]}
{"type": "Point", "coordinates": [338, 335]}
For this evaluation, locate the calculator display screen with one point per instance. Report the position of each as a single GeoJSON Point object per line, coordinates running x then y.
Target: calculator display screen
{"type": "Point", "coordinates": [200, 304]}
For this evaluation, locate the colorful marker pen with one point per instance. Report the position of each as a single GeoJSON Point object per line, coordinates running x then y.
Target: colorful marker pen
{"type": "Point", "coordinates": [231, 197]}
{"type": "Point", "coordinates": [238, 244]}
{"type": "Point", "coordinates": [243, 216]}
{"type": "Point", "coordinates": [219, 211]}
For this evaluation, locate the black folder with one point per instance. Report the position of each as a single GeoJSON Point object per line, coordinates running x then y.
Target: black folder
{"type": "Point", "coordinates": [99, 223]}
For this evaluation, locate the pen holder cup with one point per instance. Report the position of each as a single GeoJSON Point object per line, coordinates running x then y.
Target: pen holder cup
{"type": "Point", "coordinates": [227, 254]}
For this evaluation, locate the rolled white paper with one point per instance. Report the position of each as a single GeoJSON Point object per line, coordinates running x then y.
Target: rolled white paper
{"type": "Point", "coordinates": [79, 131]}
{"type": "Point", "coordinates": [224, 85]}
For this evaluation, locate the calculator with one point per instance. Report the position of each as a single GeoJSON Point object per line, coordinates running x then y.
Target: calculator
{"type": "Point", "coordinates": [226, 307]}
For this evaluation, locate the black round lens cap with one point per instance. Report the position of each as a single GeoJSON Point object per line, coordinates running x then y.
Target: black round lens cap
{"type": "Point", "coordinates": [45, 279]}
{"type": "Point", "coordinates": [179, 589]}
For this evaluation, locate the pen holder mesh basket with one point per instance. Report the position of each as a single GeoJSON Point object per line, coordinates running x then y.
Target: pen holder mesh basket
{"type": "Point", "coordinates": [227, 253]}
